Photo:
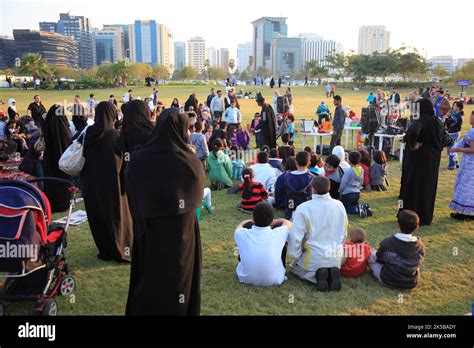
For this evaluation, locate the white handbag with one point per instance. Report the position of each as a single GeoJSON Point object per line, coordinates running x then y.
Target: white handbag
{"type": "Point", "coordinates": [72, 160]}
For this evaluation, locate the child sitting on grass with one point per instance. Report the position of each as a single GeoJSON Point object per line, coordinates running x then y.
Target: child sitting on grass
{"type": "Point", "coordinates": [238, 164]}
{"type": "Point", "coordinates": [285, 150]}
{"type": "Point", "coordinates": [356, 254]}
{"type": "Point", "coordinates": [316, 166]}
{"type": "Point", "coordinates": [334, 173]}
{"type": "Point", "coordinates": [252, 192]}
{"type": "Point", "coordinates": [378, 171]}
{"type": "Point", "coordinates": [274, 161]}
{"type": "Point", "coordinates": [396, 263]}
{"type": "Point", "coordinates": [220, 167]}
{"type": "Point", "coordinates": [365, 164]}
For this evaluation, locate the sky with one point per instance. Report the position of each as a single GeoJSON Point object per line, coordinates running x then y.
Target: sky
{"type": "Point", "coordinates": [435, 28]}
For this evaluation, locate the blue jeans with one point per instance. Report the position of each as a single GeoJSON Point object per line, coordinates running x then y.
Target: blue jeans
{"type": "Point", "coordinates": [453, 157]}
{"type": "Point", "coordinates": [351, 202]}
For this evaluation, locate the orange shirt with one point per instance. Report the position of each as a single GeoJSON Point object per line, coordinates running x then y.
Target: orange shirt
{"type": "Point", "coordinates": [356, 259]}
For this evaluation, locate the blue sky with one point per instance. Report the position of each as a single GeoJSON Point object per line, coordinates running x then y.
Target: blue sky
{"type": "Point", "coordinates": [434, 28]}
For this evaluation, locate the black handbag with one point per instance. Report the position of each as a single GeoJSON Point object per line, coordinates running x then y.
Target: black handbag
{"type": "Point", "coordinates": [446, 139]}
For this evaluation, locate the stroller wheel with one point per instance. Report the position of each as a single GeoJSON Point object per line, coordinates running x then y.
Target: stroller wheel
{"type": "Point", "coordinates": [50, 308]}
{"type": "Point", "coordinates": [67, 285]}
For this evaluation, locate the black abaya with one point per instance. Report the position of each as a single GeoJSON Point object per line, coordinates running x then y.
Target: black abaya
{"type": "Point", "coordinates": [420, 167]}
{"type": "Point", "coordinates": [136, 126]}
{"type": "Point", "coordinates": [268, 132]}
{"type": "Point", "coordinates": [103, 188]}
{"type": "Point", "coordinates": [165, 183]}
{"type": "Point", "coordinates": [57, 137]}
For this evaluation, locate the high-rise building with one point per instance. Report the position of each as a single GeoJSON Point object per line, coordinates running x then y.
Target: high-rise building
{"type": "Point", "coordinates": [8, 52]}
{"type": "Point", "coordinates": [179, 54]}
{"type": "Point", "coordinates": [109, 45]}
{"type": "Point", "coordinates": [56, 49]}
{"type": "Point", "coordinates": [166, 48]}
{"type": "Point", "coordinates": [264, 29]}
{"type": "Point", "coordinates": [460, 62]}
{"type": "Point", "coordinates": [315, 48]}
{"type": "Point", "coordinates": [197, 53]}
{"type": "Point", "coordinates": [225, 57]}
{"type": "Point", "coordinates": [78, 27]}
{"type": "Point", "coordinates": [214, 56]}
{"type": "Point", "coordinates": [447, 62]}
{"type": "Point", "coordinates": [126, 39]}
{"type": "Point", "coordinates": [373, 38]}
{"type": "Point", "coordinates": [244, 51]}
{"type": "Point", "coordinates": [285, 55]}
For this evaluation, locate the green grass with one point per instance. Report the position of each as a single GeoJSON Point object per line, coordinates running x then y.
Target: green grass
{"type": "Point", "coordinates": [446, 286]}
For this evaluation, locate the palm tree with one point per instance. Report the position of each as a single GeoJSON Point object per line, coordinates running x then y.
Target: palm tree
{"type": "Point", "coordinates": [34, 65]}
{"type": "Point", "coordinates": [232, 64]}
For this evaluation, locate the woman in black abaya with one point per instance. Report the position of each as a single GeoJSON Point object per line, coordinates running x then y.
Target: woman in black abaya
{"type": "Point", "coordinates": [165, 181]}
{"type": "Point", "coordinates": [102, 187]}
{"type": "Point", "coordinates": [421, 163]}
{"type": "Point", "coordinates": [57, 137]}
{"type": "Point", "coordinates": [136, 126]}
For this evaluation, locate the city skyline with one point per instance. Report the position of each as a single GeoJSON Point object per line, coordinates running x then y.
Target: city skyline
{"type": "Point", "coordinates": [342, 26]}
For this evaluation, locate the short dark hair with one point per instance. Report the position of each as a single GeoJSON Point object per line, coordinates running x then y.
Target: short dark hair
{"type": "Point", "coordinates": [219, 91]}
{"type": "Point", "coordinates": [338, 98]}
{"type": "Point", "coordinates": [285, 137]}
{"type": "Point", "coordinates": [303, 158]}
{"type": "Point", "coordinates": [459, 104]}
{"type": "Point", "coordinates": [290, 164]}
{"type": "Point", "coordinates": [198, 126]}
{"type": "Point", "coordinates": [365, 157]}
{"type": "Point", "coordinates": [354, 157]}
{"type": "Point", "coordinates": [408, 221]}
{"type": "Point", "coordinates": [223, 124]}
{"type": "Point", "coordinates": [273, 153]}
{"type": "Point", "coordinates": [265, 148]}
{"type": "Point", "coordinates": [308, 149]}
{"type": "Point", "coordinates": [321, 185]}
{"type": "Point", "coordinates": [263, 214]}
{"type": "Point", "coordinates": [291, 118]}
{"type": "Point", "coordinates": [91, 95]}
{"type": "Point", "coordinates": [333, 161]}
{"type": "Point", "coordinates": [380, 157]}
{"type": "Point", "coordinates": [262, 157]}
{"type": "Point", "coordinates": [314, 160]}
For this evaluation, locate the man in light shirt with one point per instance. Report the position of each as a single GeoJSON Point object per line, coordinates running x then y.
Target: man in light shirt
{"type": "Point", "coordinates": [317, 236]}
{"type": "Point", "coordinates": [261, 247]}
{"type": "Point", "coordinates": [232, 115]}
{"type": "Point", "coordinates": [217, 106]}
{"type": "Point", "coordinates": [264, 173]}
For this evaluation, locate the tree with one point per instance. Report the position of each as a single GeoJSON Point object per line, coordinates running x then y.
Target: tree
{"type": "Point", "coordinates": [188, 73]}
{"type": "Point", "coordinates": [338, 62]}
{"type": "Point", "coordinates": [465, 73]}
{"type": "Point", "coordinates": [106, 73]}
{"type": "Point", "coordinates": [440, 72]}
{"type": "Point", "coordinates": [264, 72]}
{"type": "Point", "coordinates": [33, 64]}
{"type": "Point", "coordinates": [64, 72]}
{"type": "Point", "coordinates": [160, 72]}
{"type": "Point", "coordinates": [245, 75]}
{"type": "Point", "coordinates": [140, 71]}
{"type": "Point", "coordinates": [231, 64]}
{"type": "Point", "coordinates": [359, 67]}
{"type": "Point", "coordinates": [383, 64]}
{"type": "Point", "coordinates": [314, 70]}
{"type": "Point", "coordinates": [410, 64]}
{"type": "Point", "coordinates": [251, 62]}
{"type": "Point", "coordinates": [216, 73]}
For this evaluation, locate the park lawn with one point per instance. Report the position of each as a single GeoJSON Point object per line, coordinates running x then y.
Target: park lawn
{"type": "Point", "coordinates": [446, 286]}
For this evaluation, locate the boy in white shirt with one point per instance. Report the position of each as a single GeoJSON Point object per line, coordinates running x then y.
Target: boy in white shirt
{"type": "Point", "coordinates": [262, 248]}
{"type": "Point", "coordinates": [264, 173]}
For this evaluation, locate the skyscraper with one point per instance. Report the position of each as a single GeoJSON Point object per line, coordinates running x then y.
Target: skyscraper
{"type": "Point", "coordinates": [244, 51]}
{"type": "Point", "coordinates": [78, 27]}
{"type": "Point", "coordinates": [166, 47]}
{"type": "Point", "coordinates": [264, 29]}
{"type": "Point", "coordinates": [315, 48]}
{"type": "Point", "coordinates": [126, 39]}
{"type": "Point", "coordinates": [179, 54]}
{"type": "Point", "coordinates": [7, 52]}
{"type": "Point", "coordinates": [285, 55]}
{"type": "Point", "coordinates": [197, 53]}
{"type": "Point", "coordinates": [214, 56]}
{"type": "Point", "coordinates": [109, 45]}
{"type": "Point", "coordinates": [373, 39]}
{"type": "Point", "coordinates": [225, 57]}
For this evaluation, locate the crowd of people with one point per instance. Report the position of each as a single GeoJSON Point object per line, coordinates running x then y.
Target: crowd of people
{"type": "Point", "coordinates": [145, 172]}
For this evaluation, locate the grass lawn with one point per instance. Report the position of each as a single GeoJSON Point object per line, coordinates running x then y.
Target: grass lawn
{"type": "Point", "coordinates": [447, 279]}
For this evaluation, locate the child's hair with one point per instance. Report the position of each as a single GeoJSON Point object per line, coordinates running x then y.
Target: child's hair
{"type": "Point", "coordinates": [365, 157]}
{"type": "Point", "coordinates": [303, 158]}
{"type": "Point", "coordinates": [256, 114]}
{"type": "Point", "coordinates": [358, 235]}
{"type": "Point", "coordinates": [208, 126]}
{"type": "Point", "coordinates": [290, 164]}
{"type": "Point", "coordinates": [354, 158]}
{"type": "Point", "coordinates": [216, 146]}
{"type": "Point", "coordinates": [291, 118]}
{"type": "Point", "coordinates": [234, 152]}
{"type": "Point", "coordinates": [333, 161]}
{"type": "Point", "coordinates": [230, 131]}
{"type": "Point", "coordinates": [263, 214]}
{"type": "Point", "coordinates": [285, 138]}
{"type": "Point", "coordinates": [247, 176]}
{"type": "Point", "coordinates": [408, 221]}
{"type": "Point", "coordinates": [265, 148]}
{"type": "Point", "coordinates": [198, 126]}
{"type": "Point", "coordinates": [262, 157]}
{"type": "Point", "coordinates": [380, 157]}
{"type": "Point", "coordinates": [314, 160]}
{"type": "Point", "coordinates": [308, 149]}
{"type": "Point", "coordinates": [223, 124]}
{"type": "Point", "coordinates": [273, 153]}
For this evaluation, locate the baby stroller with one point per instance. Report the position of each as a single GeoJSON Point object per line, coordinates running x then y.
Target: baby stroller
{"type": "Point", "coordinates": [35, 267]}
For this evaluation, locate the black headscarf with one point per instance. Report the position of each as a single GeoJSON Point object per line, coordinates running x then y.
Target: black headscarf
{"type": "Point", "coordinates": [105, 115]}
{"type": "Point", "coordinates": [136, 125]}
{"type": "Point", "coordinates": [57, 135]}
{"type": "Point", "coordinates": [430, 123]}
{"type": "Point", "coordinates": [79, 122]}
{"type": "Point", "coordinates": [192, 101]}
{"type": "Point", "coordinates": [165, 176]}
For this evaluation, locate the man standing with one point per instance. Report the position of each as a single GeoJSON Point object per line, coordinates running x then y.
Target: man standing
{"type": "Point", "coordinates": [37, 83]}
{"type": "Point", "coordinates": [442, 105]}
{"type": "Point", "coordinates": [317, 236]}
{"type": "Point", "coordinates": [155, 96]}
{"type": "Point", "coordinates": [217, 106]}
{"type": "Point", "coordinates": [333, 90]}
{"type": "Point", "coordinates": [232, 115]}
{"type": "Point", "coordinates": [279, 82]}
{"type": "Point", "coordinates": [91, 104]}
{"type": "Point", "coordinates": [337, 123]}
{"type": "Point", "coordinates": [210, 97]}
{"type": "Point", "coordinates": [37, 111]}
{"type": "Point", "coordinates": [394, 100]}
{"type": "Point", "coordinates": [328, 89]}
{"type": "Point", "coordinates": [268, 123]}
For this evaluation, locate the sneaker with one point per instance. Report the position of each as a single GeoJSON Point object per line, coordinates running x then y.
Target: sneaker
{"type": "Point", "coordinates": [322, 276]}
{"type": "Point", "coordinates": [367, 209]}
{"type": "Point", "coordinates": [362, 212]}
{"type": "Point", "coordinates": [335, 279]}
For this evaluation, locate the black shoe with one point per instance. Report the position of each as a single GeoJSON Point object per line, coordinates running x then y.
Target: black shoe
{"type": "Point", "coordinates": [457, 166]}
{"type": "Point", "coordinates": [322, 275]}
{"type": "Point", "coordinates": [461, 217]}
{"type": "Point", "coordinates": [367, 209]}
{"type": "Point", "coordinates": [362, 212]}
{"type": "Point", "coordinates": [335, 279]}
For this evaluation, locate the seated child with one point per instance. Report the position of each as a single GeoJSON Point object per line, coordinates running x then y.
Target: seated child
{"type": "Point", "coordinates": [285, 150]}
{"type": "Point", "coordinates": [365, 164]}
{"type": "Point", "coordinates": [351, 183]}
{"type": "Point", "coordinates": [232, 136]}
{"type": "Point", "coordinates": [378, 171]}
{"type": "Point", "coordinates": [220, 167]}
{"type": "Point", "coordinates": [334, 173]}
{"type": "Point", "coordinates": [356, 254]}
{"type": "Point", "coordinates": [262, 248]}
{"type": "Point", "coordinates": [243, 138]}
{"type": "Point", "coordinates": [252, 192]}
{"type": "Point", "coordinates": [316, 166]}
{"type": "Point", "coordinates": [274, 161]}
{"type": "Point", "coordinates": [238, 164]}
{"type": "Point", "coordinates": [280, 187]}
{"type": "Point", "coordinates": [264, 172]}
{"type": "Point", "coordinates": [298, 184]}
{"type": "Point", "coordinates": [396, 263]}
{"type": "Point", "coordinates": [208, 133]}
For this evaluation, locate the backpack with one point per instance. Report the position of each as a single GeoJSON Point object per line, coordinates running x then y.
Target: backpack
{"type": "Point", "coordinates": [294, 199]}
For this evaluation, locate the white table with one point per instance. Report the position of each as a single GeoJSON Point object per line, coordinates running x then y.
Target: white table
{"type": "Point", "coordinates": [399, 137]}
{"type": "Point", "coordinates": [352, 129]}
{"type": "Point", "coordinates": [315, 136]}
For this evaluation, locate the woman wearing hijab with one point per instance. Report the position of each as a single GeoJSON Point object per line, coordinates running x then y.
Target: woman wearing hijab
{"type": "Point", "coordinates": [12, 108]}
{"type": "Point", "coordinates": [166, 260]}
{"type": "Point", "coordinates": [341, 154]}
{"type": "Point", "coordinates": [57, 138]}
{"type": "Point", "coordinates": [103, 188]}
{"type": "Point", "coordinates": [192, 101]}
{"type": "Point", "coordinates": [175, 103]}
{"type": "Point", "coordinates": [421, 161]}
{"type": "Point", "coordinates": [136, 126]}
